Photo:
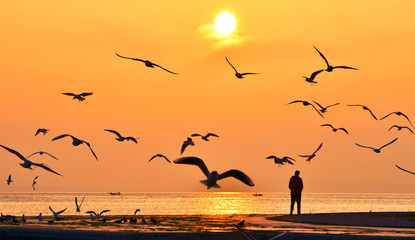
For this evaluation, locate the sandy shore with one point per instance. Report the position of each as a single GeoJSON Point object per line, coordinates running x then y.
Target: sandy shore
{"type": "Point", "coordinates": [336, 226]}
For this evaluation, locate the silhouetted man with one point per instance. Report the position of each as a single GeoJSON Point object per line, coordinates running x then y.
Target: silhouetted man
{"type": "Point", "coordinates": [296, 187]}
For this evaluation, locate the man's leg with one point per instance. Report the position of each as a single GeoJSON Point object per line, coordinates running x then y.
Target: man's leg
{"type": "Point", "coordinates": [299, 204]}
{"type": "Point", "coordinates": [292, 204]}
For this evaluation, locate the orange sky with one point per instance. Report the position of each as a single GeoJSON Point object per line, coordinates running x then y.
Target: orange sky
{"type": "Point", "coordinates": [50, 47]}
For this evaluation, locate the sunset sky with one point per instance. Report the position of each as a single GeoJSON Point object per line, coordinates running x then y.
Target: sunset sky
{"type": "Point", "coordinates": [52, 47]}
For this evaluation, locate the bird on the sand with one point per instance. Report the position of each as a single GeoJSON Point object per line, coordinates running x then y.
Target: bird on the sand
{"type": "Point", "coordinates": [213, 177]}
{"type": "Point", "coordinates": [41, 130]}
{"type": "Point", "coordinates": [364, 108]}
{"type": "Point", "coordinates": [76, 142]}
{"type": "Point", "coordinates": [250, 237]}
{"type": "Point", "coordinates": [34, 183]}
{"type": "Point", "coordinates": [41, 153]}
{"type": "Point", "coordinates": [334, 129]}
{"type": "Point", "coordinates": [78, 206]}
{"type": "Point", "coordinates": [281, 161]}
{"type": "Point", "coordinates": [377, 150]}
{"type": "Point", "coordinates": [121, 138]}
{"type": "Point", "coordinates": [56, 214]}
{"type": "Point", "coordinates": [98, 215]}
{"type": "Point", "coordinates": [204, 137]}
{"type": "Point", "coordinates": [9, 179]}
{"type": "Point", "coordinates": [237, 74]}
{"type": "Point", "coordinates": [313, 75]}
{"type": "Point", "coordinates": [309, 157]}
{"type": "Point", "coordinates": [400, 128]}
{"type": "Point", "coordinates": [186, 143]}
{"type": "Point", "coordinates": [27, 163]}
{"type": "Point", "coordinates": [159, 155]}
{"type": "Point", "coordinates": [324, 109]}
{"type": "Point", "coordinates": [146, 62]}
{"type": "Point", "coordinates": [399, 114]}
{"type": "Point", "coordinates": [153, 220]}
{"type": "Point", "coordinates": [305, 103]}
{"type": "Point", "coordinates": [329, 67]}
{"type": "Point", "coordinates": [405, 170]}
{"type": "Point", "coordinates": [80, 97]}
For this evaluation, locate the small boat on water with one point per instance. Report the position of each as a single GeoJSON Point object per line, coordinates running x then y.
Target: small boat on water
{"type": "Point", "coordinates": [257, 194]}
{"type": "Point", "coordinates": [115, 193]}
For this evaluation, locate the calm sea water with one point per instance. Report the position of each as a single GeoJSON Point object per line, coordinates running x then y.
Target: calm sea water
{"type": "Point", "coordinates": [32, 204]}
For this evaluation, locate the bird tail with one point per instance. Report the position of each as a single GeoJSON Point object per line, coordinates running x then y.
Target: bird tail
{"type": "Point", "coordinates": [204, 182]}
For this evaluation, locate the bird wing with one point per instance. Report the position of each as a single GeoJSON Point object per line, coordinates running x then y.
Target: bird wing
{"type": "Point", "coordinates": [135, 59]}
{"type": "Point", "coordinates": [62, 136]}
{"type": "Point", "coordinates": [388, 143]}
{"type": "Point", "coordinates": [321, 144]}
{"type": "Point", "coordinates": [85, 94]}
{"type": "Point", "coordinates": [373, 115]}
{"type": "Point", "coordinates": [279, 235]}
{"type": "Point", "coordinates": [393, 127]}
{"type": "Point", "coordinates": [32, 154]}
{"type": "Point", "coordinates": [304, 156]}
{"type": "Point", "coordinates": [328, 125]}
{"type": "Point", "coordinates": [317, 110]}
{"type": "Point", "coordinates": [69, 94]}
{"type": "Point", "coordinates": [113, 131]}
{"type": "Point", "coordinates": [238, 175]}
{"type": "Point", "coordinates": [51, 155]}
{"type": "Point", "coordinates": [343, 129]}
{"type": "Point", "coordinates": [195, 135]}
{"type": "Point", "coordinates": [322, 56]}
{"type": "Point", "coordinates": [132, 139]}
{"type": "Point", "coordinates": [153, 157]}
{"type": "Point", "coordinates": [61, 211]}
{"type": "Point", "coordinates": [314, 74]}
{"type": "Point", "coordinates": [409, 129]}
{"type": "Point", "coordinates": [164, 68]}
{"type": "Point", "coordinates": [247, 236]}
{"type": "Point", "coordinates": [166, 158]}
{"type": "Point", "coordinates": [290, 158]}
{"type": "Point", "coordinates": [333, 105]}
{"type": "Point", "coordinates": [45, 167]}
{"type": "Point", "coordinates": [317, 104]}
{"type": "Point", "coordinates": [52, 210]}
{"type": "Point", "coordinates": [38, 131]}
{"type": "Point", "coordinates": [76, 202]}
{"type": "Point", "coordinates": [104, 211]}
{"type": "Point", "coordinates": [271, 157]}
{"type": "Point", "coordinates": [247, 73]}
{"type": "Point", "coordinates": [14, 152]}
{"type": "Point", "coordinates": [93, 153]}
{"type": "Point", "coordinates": [405, 170]}
{"type": "Point", "coordinates": [211, 134]}
{"type": "Point", "coordinates": [231, 64]}
{"type": "Point", "coordinates": [296, 101]}
{"type": "Point", "coordinates": [387, 115]}
{"type": "Point", "coordinates": [407, 119]}
{"type": "Point", "coordinates": [82, 201]}
{"type": "Point", "coordinates": [364, 146]}
{"type": "Point", "coordinates": [35, 178]}
{"type": "Point", "coordinates": [92, 212]}
{"type": "Point", "coordinates": [345, 67]}
{"type": "Point", "coordinates": [194, 161]}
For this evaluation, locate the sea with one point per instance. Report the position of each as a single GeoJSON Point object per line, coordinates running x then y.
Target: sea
{"type": "Point", "coordinates": [201, 203]}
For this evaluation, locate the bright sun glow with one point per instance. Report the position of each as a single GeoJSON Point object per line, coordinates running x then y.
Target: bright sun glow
{"type": "Point", "coordinates": [225, 23]}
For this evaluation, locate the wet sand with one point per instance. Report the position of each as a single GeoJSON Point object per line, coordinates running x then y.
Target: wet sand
{"type": "Point", "coordinates": [339, 226]}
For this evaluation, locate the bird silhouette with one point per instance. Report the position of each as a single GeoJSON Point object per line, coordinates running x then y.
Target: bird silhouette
{"type": "Point", "coordinates": [9, 179]}
{"type": "Point", "coordinates": [281, 161]}
{"type": "Point", "coordinates": [41, 130]}
{"type": "Point", "coordinates": [305, 103]}
{"type": "Point", "coordinates": [159, 155]}
{"type": "Point", "coordinates": [237, 74]}
{"type": "Point", "coordinates": [146, 62]}
{"type": "Point", "coordinates": [56, 214]}
{"type": "Point", "coordinates": [213, 177]}
{"type": "Point", "coordinates": [121, 138]}
{"type": "Point", "coordinates": [364, 108]}
{"type": "Point", "coordinates": [204, 137]}
{"type": "Point", "coordinates": [34, 183]}
{"type": "Point", "coordinates": [400, 128]}
{"type": "Point", "coordinates": [334, 129]}
{"type": "Point", "coordinates": [405, 170]}
{"type": "Point", "coordinates": [98, 215]}
{"type": "Point", "coordinates": [324, 109]}
{"type": "Point", "coordinates": [329, 67]}
{"type": "Point", "coordinates": [80, 97]}
{"type": "Point", "coordinates": [76, 142]}
{"type": "Point", "coordinates": [186, 143]}
{"type": "Point", "coordinates": [377, 150]}
{"type": "Point", "coordinates": [41, 153]}
{"type": "Point", "coordinates": [78, 206]}
{"type": "Point", "coordinates": [27, 163]}
{"type": "Point", "coordinates": [399, 114]}
{"type": "Point", "coordinates": [312, 77]}
{"type": "Point", "coordinates": [309, 157]}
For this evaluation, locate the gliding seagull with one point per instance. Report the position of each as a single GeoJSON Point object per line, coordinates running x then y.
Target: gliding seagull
{"type": "Point", "coordinates": [204, 137]}
{"type": "Point", "coordinates": [324, 109]}
{"type": "Point", "coordinates": [313, 75]}
{"type": "Point", "coordinates": [28, 164]}
{"type": "Point", "coordinates": [305, 103]}
{"type": "Point", "coordinates": [146, 62]}
{"type": "Point", "coordinates": [309, 157]}
{"type": "Point", "coordinates": [329, 67]}
{"type": "Point", "coordinates": [213, 177]}
{"type": "Point", "coordinates": [41, 153]}
{"type": "Point", "coordinates": [34, 182]}
{"type": "Point", "coordinates": [333, 128]}
{"type": "Point", "coordinates": [399, 114]}
{"type": "Point", "coordinates": [121, 138]}
{"type": "Point", "coordinates": [400, 128]}
{"type": "Point", "coordinates": [364, 108]}
{"type": "Point", "coordinates": [237, 74]}
{"type": "Point", "coordinates": [9, 179]}
{"type": "Point", "coordinates": [159, 155]}
{"type": "Point", "coordinates": [41, 130]}
{"type": "Point", "coordinates": [76, 142]}
{"type": "Point", "coordinates": [281, 161]}
{"type": "Point", "coordinates": [186, 143]}
{"type": "Point", "coordinates": [80, 97]}
{"type": "Point", "coordinates": [377, 150]}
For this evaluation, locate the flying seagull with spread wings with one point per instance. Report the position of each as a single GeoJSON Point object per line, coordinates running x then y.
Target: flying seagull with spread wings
{"type": "Point", "coordinates": [334, 129]}
{"type": "Point", "coordinates": [146, 62]}
{"type": "Point", "coordinates": [78, 206]}
{"type": "Point", "coordinates": [159, 155]}
{"type": "Point", "coordinates": [400, 128]}
{"type": "Point", "coordinates": [34, 183]}
{"type": "Point", "coordinates": [305, 103]}
{"type": "Point", "coordinates": [186, 143]}
{"type": "Point", "coordinates": [324, 109]}
{"type": "Point", "coordinates": [377, 150]}
{"type": "Point", "coordinates": [281, 161]}
{"type": "Point", "coordinates": [41, 153]}
{"type": "Point", "coordinates": [98, 215]}
{"type": "Point", "coordinates": [56, 214]}
{"type": "Point", "coordinates": [313, 75]}
{"type": "Point", "coordinates": [41, 130]}
{"type": "Point", "coordinates": [80, 97]}
{"type": "Point", "coordinates": [214, 176]}
{"type": "Point", "coordinates": [309, 157]}
{"type": "Point", "coordinates": [76, 142]}
{"type": "Point", "coordinates": [9, 179]}
{"type": "Point", "coordinates": [237, 74]}
{"type": "Point", "coordinates": [329, 67]}
{"type": "Point", "coordinates": [204, 137]}
{"type": "Point", "coordinates": [27, 163]}
{"type": "Point", "coordinates": [121, 138]}
{"type": "Point", "coordinates": [364, 108]}
{"type": "Point", "coordinates": [399, 114]}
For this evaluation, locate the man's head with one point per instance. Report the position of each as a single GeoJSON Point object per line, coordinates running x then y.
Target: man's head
{"type": "Point", "coordinates": [297, 173]}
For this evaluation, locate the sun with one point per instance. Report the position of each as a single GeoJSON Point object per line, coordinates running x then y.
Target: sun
{"type": "Point", "coordinates": [225, 23]}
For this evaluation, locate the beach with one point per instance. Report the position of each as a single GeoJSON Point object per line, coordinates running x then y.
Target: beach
{"type": "Point", "coordinates": [372, 225]}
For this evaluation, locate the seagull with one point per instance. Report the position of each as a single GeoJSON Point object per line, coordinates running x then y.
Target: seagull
{"type": "Point", "coordinates": [377, 150]}
{"type": "Point", "coordinates": [186, 143]}
{"type": "Point", "coordinates": [153, 220]}
{"type": "Point", "coordinates": [333, 128]}
{"type": "Point", "coordinates": [41, 153]}
{"type": "Point", "coordinates": [147, 63]}
{"type": "Point", "coordinates": [400, 128]}
{"type": "Point", "coordinates": [329, 67]}
{"type": "Point", "coordinates": [324, 109]}
{"type": "Point", "coordinates": [213, 177]}
{"type": "Point", "coordinates": [56, 214]}
{"type": "Point", "coordinates": [305, 103]}
{"type": "Point", "coordinates": [204, 137]}
{"type": "Point", "coordinates": [399, 114]}
{"type": "Point", "coordinates": [281, 161]}
{"type": "Point", "coordinates": [98, 215]}
{"type": "Point", "coordinates": [9, 179]}
{"type": "Point", "coordinates": [39, 217]}
{"type": "Point", "coordinates": [237, 74]}
{"type": "Point", "coordinates": [34, 182]}
{"type": "Point", "coordinates": [80, 97]}
{"type": "Point", "coordinates": [41, 130]}
{"type": "Point", "coordinates": [78, 207]}
{"type": "Point", "coordinates": [313, 75]}
{"type": "Point", "coordinates": [28, 164]}
{"type": "Point", "coordinates": [364, 108]}
{"type": "Point", "coordinates": [159, 155]}
{"type": "Point", "coordinates": [309, 157]}
{"type": "Point", "coordinates": [249, 237]}
{"type": "Point", "coordinates": [121, 138]}
{"type": "Point", "coordinates": [137, 210]}
{"type": "Point", "coordinates": [143, 220]}
{"type": "Point", "coordinates": [405, 170]}
{"type": "Point", "coordinates": [76, 142]}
